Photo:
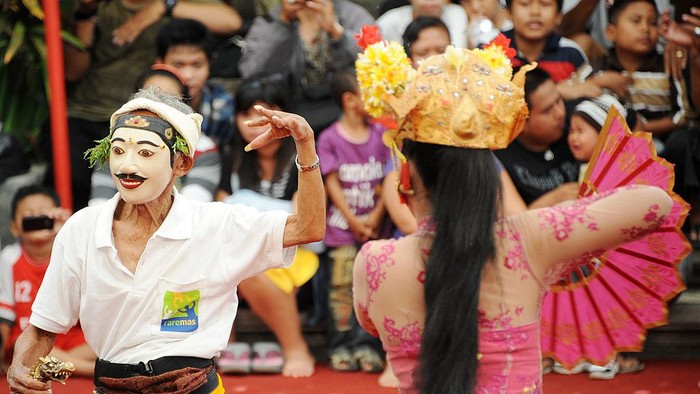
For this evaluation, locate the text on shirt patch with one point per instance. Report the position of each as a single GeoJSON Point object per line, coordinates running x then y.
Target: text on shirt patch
{"type": "Point", "coordinates": [180, 312]}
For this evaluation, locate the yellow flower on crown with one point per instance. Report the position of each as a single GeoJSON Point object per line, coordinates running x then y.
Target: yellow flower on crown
{"type": "Point", "coordinates": [385, 69]}
{"type": "Point", "coordinates": [462, 98]}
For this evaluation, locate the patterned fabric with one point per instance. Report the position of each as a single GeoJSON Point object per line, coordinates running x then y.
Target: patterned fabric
{"type": "Point", "coordinates": [532, 250]}
{"type": "Point", "coordinates": [217, 109]}
{"type": "Point", "coordinates": [560, 57]}
{"type": "Point", "coordinates": [653, 94]}
{"type": "Point", "coordinates": [360, 169]}
{"type": "Point", "coordinates": [20, 279]}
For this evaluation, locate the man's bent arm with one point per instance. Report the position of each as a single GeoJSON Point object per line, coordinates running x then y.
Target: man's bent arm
{"type": "Point", "coordinates": [31, 344]}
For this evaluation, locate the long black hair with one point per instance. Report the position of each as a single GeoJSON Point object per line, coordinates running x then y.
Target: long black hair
{"type": "Point", "coordinates": [464, 190]}
{"type": "Point", "coordinates": [269, 89]}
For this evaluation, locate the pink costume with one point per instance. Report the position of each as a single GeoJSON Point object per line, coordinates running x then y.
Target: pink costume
{"type": "Point", "coordinates": [533, 250]}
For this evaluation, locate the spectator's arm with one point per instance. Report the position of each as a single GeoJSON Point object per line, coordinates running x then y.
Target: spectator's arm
{"type": "Point", "coordinates": [77, 61]}
{"type": "Point", "coordinates": [375, 218]}
{"type": "Point", "coordinates": [565, 192]}
{"type": "Point", "coordinates": [575, 20]}
{"type": "Point", "coordinates": [614, 81]}
{"type": "Point", "coordinates": [4, 334]}
{"type": "Point", "coordinates": [334, 190]}
{"type": "Point", "coordinates": [219, 17]}
{"type": "Point", "coordinates": [351, 18]}
{"type": "Point", "coordinates": [570, 90]}
{"type": "Point", "coordinates": [661, 126]}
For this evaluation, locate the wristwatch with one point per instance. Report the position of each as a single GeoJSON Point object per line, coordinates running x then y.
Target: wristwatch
{"type": "Point", "coordinates": [169, 5]}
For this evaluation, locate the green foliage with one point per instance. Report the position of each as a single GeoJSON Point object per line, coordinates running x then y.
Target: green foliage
{"type": "Point", "coordinates": [99, 154]}
{"type": "Point", "coordinates": [24, 85]}
{"type": "Point", "coordinates": [180, 145]}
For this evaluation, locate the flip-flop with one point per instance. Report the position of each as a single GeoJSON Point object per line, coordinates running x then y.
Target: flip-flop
{"type": "Point", "coordinates": [267, 358]}
{"type": "Point", "coordinates": [235, 358]}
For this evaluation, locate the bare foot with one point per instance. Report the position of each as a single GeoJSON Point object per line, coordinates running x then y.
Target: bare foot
{"type": "Point", "coordinates": [387, 378]}
{"type": "Point", "coordinates": [298, 364]}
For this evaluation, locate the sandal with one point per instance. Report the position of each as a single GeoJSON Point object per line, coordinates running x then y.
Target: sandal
{"type": "Point", "coordinates": [235, 358]}
{"type": "Point", "coordinates": [369, 360]}
{"type": "Point", "coordinates": [342, 361]}
{"type": "Point", "coordinates": [267, 358]}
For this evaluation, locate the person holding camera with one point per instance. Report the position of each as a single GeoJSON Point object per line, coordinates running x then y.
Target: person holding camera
{"type": "Point", "coordinates": [36, 218]}
{"type": "Point", "coordinates": [306, 41]}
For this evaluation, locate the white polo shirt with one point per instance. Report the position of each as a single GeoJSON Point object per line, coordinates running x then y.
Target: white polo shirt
{"type": "Point", "coordinates": [181, 301]}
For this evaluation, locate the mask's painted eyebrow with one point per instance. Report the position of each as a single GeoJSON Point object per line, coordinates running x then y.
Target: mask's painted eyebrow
{"type": "Point", "coordinates": [115, 139]}
{"type": "Point", "coordinates": [148, 143]}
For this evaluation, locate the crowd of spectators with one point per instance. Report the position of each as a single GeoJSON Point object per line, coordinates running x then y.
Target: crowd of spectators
{"type": "Point", "coordinates": [639, 55]}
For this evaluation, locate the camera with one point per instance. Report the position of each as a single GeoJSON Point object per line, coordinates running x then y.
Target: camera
{"type": "Point", "coordinates": [35, 223]}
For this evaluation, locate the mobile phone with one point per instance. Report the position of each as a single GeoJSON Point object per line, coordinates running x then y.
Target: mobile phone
{"type": "Point", "coordinates": [35, 223]}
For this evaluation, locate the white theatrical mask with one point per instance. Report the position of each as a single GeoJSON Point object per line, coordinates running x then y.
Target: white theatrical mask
{"type": "Point", "coordinates": [140, 164]}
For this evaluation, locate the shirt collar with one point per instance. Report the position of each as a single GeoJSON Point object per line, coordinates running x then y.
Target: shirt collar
{"type": "Point", "coordinates": [551, 44]}
{"type": "Point", "coordinates": [177, 224]}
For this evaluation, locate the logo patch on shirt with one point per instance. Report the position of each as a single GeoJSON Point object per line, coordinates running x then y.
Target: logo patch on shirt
{"type": "Point", "coordinates": [180, 311]}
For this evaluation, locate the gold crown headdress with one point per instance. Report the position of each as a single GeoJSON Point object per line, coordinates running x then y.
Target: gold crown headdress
{"type": "Point", "coordinates": [463, 98]}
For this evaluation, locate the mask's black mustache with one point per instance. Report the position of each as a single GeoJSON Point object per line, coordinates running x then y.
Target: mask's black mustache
{"type": "Point", "coordinates": [131, 177]}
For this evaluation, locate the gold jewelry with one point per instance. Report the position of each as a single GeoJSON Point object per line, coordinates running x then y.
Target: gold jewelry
{"type": "Point", "coordinates": [679, 54]}
{"type": "Point", "coordinates": [316, 164]}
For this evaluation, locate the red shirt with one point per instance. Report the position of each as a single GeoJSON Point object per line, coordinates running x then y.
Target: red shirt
{"type": "Point", "coordinates": [26, 279]}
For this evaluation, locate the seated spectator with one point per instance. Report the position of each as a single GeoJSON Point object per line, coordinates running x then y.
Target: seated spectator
{"type": "Point", "coordinates": [535, 39]}
{"type": "Point", "coordinates": [425, 36]}
{"type": "Point", "coordinates": [393, 23]}
{"type": "Point", "coordinates": [586, 21]}
{"type": "Point", "coordinates": [266, 179]}
{"type": "Point", "coordinates": [353, 158]}
{"type": "Point", "coordinates": [634, 32]}
{"type": "Point", "coordinates": [306, 41]}
{"type": "Point", "coordinates": [539, 160]}
{"type": "Point", "coordinates": [683, 146]}
{"type": "Point", "coordinates": [200, 183]}
{"type": "Point", "coordinates": [36, 219]}
{"type": "Point", "coordinates": [587, 121]}
{"type": "Point", "coordinates": [184, 44]}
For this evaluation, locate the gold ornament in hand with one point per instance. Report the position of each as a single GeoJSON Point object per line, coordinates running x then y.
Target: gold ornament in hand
{"type": "Point", "coordinates": [50, 368]}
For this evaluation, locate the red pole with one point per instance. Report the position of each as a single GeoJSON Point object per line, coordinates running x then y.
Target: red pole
{"type": "Point", "coordinates": [57, 102]}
